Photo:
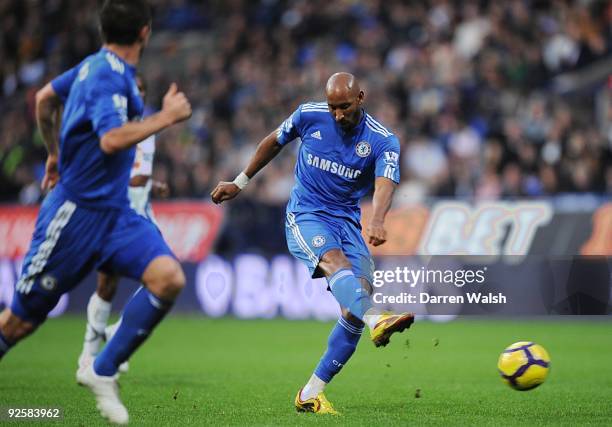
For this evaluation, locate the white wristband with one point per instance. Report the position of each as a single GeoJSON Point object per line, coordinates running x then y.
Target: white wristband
{"type": "Point", "coordinates": [241, 180]}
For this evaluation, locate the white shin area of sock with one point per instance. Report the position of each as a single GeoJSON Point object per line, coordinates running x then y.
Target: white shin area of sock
{"type": "Point", "coordinates": [313, 387]}
{"type": "Point", "coordinates": [98, 312]}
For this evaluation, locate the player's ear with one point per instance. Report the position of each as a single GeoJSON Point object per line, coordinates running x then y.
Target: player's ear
{"type": "Point", "coordinates": [144, 34]}
{"type": "Point", "coordinates": [360, 97]}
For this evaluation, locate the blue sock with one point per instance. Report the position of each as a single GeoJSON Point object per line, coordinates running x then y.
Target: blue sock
{"type": "Point", "coordinates": [340, 347]}
{"type": "Point", "coordinates": [5, 345]}
{"type": "Point", "coordinates": [140, 316]}
{"type": "Point", "coordinates": [348, 292]}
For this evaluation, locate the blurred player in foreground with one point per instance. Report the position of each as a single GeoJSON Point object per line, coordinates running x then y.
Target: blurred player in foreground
{"type": "Point", "coordinates": [86, 221]}
{"type": "Point", "coordinates": [341, 155]}
{"type": "Point", "coordinates": [142, 185]}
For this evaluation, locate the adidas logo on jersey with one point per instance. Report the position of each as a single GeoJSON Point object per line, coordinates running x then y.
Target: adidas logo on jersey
{"type": "Point", "coordinates": [316, 135]}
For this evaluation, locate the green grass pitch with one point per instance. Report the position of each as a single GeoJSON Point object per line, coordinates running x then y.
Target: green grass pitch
{"type": "Point", "coordinates": [198, 371]}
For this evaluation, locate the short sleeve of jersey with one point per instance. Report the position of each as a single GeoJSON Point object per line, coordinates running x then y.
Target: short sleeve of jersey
{"type": "Point", "coordinates": [387, 159]}
{"type": "Point", "coordinates": [108, 100]}
{"type": "Point", "coordinates": [290, 128]}
{"type": "Point", "coordinates": [62, 83]}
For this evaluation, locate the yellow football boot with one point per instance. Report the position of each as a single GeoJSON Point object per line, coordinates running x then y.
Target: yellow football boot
{"type": "Point", "coordinates": [387, 325]}
{"type": "Point", "coordinates": [317, 405]}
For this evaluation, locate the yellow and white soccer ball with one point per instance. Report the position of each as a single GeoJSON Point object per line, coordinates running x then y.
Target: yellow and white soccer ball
{"type": "Point", "coordinates": [524, 365]}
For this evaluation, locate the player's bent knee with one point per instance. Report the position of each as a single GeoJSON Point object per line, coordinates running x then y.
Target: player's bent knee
{"type": "Point", "coordinates": [164, 277]}
{"type": "Point", "coordinates": [175, 280]}
{"type": "Point", "coordinates": [172, 281]}
{"type": "Point", "coordinates": [332, 261]}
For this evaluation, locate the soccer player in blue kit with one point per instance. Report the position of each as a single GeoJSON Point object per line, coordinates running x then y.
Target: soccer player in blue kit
{"type": "Point", "coordinates": [86, 221]}
{"type": "Point", "coordinates": [142, 186]}
{"type": "Point", "coordinates": [341, 155]}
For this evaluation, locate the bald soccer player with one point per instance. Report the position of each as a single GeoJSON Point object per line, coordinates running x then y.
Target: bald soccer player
{"type": "Point", "coordinates": [344, 151]}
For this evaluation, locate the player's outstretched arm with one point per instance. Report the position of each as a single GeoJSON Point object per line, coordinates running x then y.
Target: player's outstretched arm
{"type": "Point", "coordinates": [175, 108]}
{"type": "Point", "coordinates": [48, 118]}
{"type": "Point", "coordinates": [267, 149]}
{"type": "Point", "coordinates": [381, 202]}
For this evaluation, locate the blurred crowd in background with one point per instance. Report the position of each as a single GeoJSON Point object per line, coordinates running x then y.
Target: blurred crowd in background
{"type": "Point", "coordinates": [467, 86]}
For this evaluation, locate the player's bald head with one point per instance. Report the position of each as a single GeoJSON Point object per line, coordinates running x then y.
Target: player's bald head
{"type": "Point", "coordinates": [342, 84]}
{"type": "Point", "coordinates": [344, 98]}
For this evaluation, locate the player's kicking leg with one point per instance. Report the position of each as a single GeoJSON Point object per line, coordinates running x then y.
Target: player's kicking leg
{"type": "Point", "coordinates": [353, 295]}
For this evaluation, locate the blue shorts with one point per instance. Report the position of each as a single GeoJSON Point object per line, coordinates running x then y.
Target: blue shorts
{"type": "Point", "coordinates": [310, 235]}
{"type": "Point", "coordinates": [69, 241]}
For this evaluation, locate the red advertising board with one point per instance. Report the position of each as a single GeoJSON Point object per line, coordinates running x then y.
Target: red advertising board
{"type": "Point", "coordinates": [444, 228]}
{"type": "Point", "coordinates": [16, 228]}
{"type": "Point", "coordinates": [190, 228]}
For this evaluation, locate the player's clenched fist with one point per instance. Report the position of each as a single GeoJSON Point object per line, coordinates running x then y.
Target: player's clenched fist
{"type": "Point", "coordinates": [51, 174]}
{"type": "Point", "coordinates": [224, 191]}
{"type": "Point", "coordinates": [376, 234]}
{"type": "Point", "coordinates": [176, 104]}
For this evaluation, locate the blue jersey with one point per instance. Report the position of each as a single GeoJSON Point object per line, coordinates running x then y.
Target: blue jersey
{"type": "Point", "coordinates": [99, 94]}
{"type": "Point", "coordinates": [334, 168]}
